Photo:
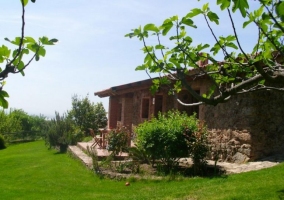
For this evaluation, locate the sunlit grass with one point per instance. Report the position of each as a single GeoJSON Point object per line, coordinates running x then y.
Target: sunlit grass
{"type": "Point", "coordinates": [30, 171]}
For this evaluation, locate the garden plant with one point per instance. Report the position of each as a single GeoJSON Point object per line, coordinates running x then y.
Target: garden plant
{"type": "Point", "coordinates": [172, 136]}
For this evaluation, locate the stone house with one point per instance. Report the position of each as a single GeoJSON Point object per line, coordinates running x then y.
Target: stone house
{"type": "Point", "coordinates": [247, 127]}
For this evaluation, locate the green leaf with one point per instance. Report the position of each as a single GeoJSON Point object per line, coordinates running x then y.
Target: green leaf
{"type": "Point", "coordinates": [4, 51]}
{"type": "Point", "coordinates": [148, 59]}
{"type": "Point", "coordinates": [159, 46]}
{"type": "Point", "coordinates": [25, 51]}
{"type": "Point", "coordinates": [194, 12]}
{"type": "Point", "coordinates": [224, 4]}
{"type": "Point", "coordinates": [188, 22]}
{"type": "Point", "coordinates": [52, 41]}
{"type": "Point", "coordinates": [44, 40]}
{"type": "Point", "coordinates": [41, 51]}
{"type": "Point", "coordinates": [166, 28]}
{"type": "Point", "coordinates": [232, 45]}
{"type": "Point", "coordinates": [33, 1]}
{"type": "Point", "coordinates": [205, 7]}
{"type": "Point", "coordinates": [16, 41]}
{"type": "Point", "coordinates": [24, 2]}
{"type": "Point", "coordinates": [201, 47]}
{"type": "Point", "coordinates": [140, 67]}
{"type": "Point", "coordinates": [29, 40]}
{"type": "Point", "coordinates": [280, 10]}
{"type": "Point", "coordinates": [33, 47]}
{"type": "Point", "coordinates": [188, 39]}
{"type": "Point", "coordinates": [231, 38]}
{"type": "Point", "coordinates": [3, 102]}
{"type": "Point", "coordinates": [246, 23]}
{"type": "Point", "coordinates": [21, 66]}
{"type": "Point", "coordinates": [242, 5]}
{"type": "Point", "coordinates": [147, 49]}
{"type": "Point", "coordinates": [4, 93]}
{"type": "Point", "coordinates": [175, 62]}
{"type": "Point", "coordinates": [213, 17]}
{"type": "Point", "coordinates": [215, 49]}
{"type": "Point", "coordinates": [151, 27]}
{"type": "Point", "coordinates": [174, 18]}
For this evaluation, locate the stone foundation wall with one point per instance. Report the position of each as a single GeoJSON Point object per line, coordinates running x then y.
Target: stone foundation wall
{"type": "Point", "coordinates": [248, 127]}
{"type": "Point", "coordinates": [230, 145]}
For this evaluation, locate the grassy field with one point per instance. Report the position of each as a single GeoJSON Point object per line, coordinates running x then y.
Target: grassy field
{"type": "Point", "coordinates": [31, 171]}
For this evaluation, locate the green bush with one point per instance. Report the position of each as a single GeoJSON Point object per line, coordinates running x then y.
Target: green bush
{"type": "Point", "coordinates": [2, 142]}
{"type": "Point", "coordinates": [172, 136]}
{"type": "Point", "coordinates": [118, 140]}
{"type": "Point", "coordinates": [62, 132]}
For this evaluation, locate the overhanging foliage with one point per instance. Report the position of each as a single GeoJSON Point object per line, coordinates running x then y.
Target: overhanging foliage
{"type": "Point", "coordinates": [239, 72]}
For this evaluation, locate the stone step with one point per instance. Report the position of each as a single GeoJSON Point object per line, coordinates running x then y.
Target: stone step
{"type": "Point", "coordinates": [83, 157]}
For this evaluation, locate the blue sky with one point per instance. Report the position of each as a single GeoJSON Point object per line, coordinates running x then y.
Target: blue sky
{"type": "Point", "coordinates": [92, 53]}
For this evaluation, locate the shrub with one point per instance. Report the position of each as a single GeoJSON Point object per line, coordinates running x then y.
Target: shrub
{"type": "Point", "coordinates": [2, 142]}
{"type": "Point", "coordinates": [172, 136]}
{"type": "Point", "coordinates": [62, 132]}
{"type": "Point", "coordinates": [118, 140]}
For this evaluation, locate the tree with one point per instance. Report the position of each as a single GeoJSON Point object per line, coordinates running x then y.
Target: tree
{"type": "Point", "coordinates": [86, 114]}
{"type": "Point", "coordinates": [239, 72]}
{"type": "Point", "coordinates": [14, 60]}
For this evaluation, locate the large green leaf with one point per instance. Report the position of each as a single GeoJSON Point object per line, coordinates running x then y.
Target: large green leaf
{"type": "Point", "coordinates": [194, 12]}
{"type": "Point", "coordinates": [3, 101]}
{"type": "Point", "coordinates": [4, 51]}
{"type": "Point", "coordinates": [224, 4]}
{"type": "Point", "coordinates": [280, 10]}
{"type": "Point", "coordinates": [188, 22]}
{"type": "Point", "coordinates": [4, 93]}
{"type": "Point", "coordinates": [205, 7]}
{"type": "Point", "coordinates": [29, 40]}
{"type": "Point", "coordinates": [232, 45]}
{"type": "Point", "coordinates": [213, 17]}
{"type": "Point", "coordinates": [242, 5]}
{"type": "Point", "coordinates": [166, 27]}
{"type": "Point", "coordinates": [159, 46]}
{"type": "Point", "coordinates": [41, 51]}
{"type": "Point", "coordinates": [151, 27]}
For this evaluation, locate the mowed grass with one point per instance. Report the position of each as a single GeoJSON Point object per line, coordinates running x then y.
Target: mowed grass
{"type": "Point", "coordinates": [31, 171]}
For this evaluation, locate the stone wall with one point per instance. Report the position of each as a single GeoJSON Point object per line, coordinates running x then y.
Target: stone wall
{"type": "Point", "coordinates": [248, 127]}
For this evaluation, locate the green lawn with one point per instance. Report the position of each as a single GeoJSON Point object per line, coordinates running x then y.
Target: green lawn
{"type": "Point", "coordinates": [30, 171]}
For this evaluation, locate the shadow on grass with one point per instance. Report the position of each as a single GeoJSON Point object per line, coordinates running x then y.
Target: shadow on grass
{"type": "Point", "coordinates": [59, 153]}
{"type": "Point", "coordinates": [21, 141]}
{"type": "Point", "coordinates": [281, 194]}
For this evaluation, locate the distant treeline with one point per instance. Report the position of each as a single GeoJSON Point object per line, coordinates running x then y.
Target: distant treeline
{"type": "Point", "coordinates": [17, 125]}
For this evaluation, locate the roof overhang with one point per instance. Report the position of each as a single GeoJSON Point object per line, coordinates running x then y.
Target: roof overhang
{"type": "Point", "coordinates": [124, 89]}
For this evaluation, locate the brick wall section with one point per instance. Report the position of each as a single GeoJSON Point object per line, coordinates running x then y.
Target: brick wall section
{"type": "Point", "coordinates": [113, 111]}
{"type": "Point", "coordinates": [127, 111]}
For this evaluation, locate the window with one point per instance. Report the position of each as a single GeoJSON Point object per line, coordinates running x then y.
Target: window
{"type": "Point", "coordinates": [145, 108]}
{"type": "Point", "coordinates": [158, 104]}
